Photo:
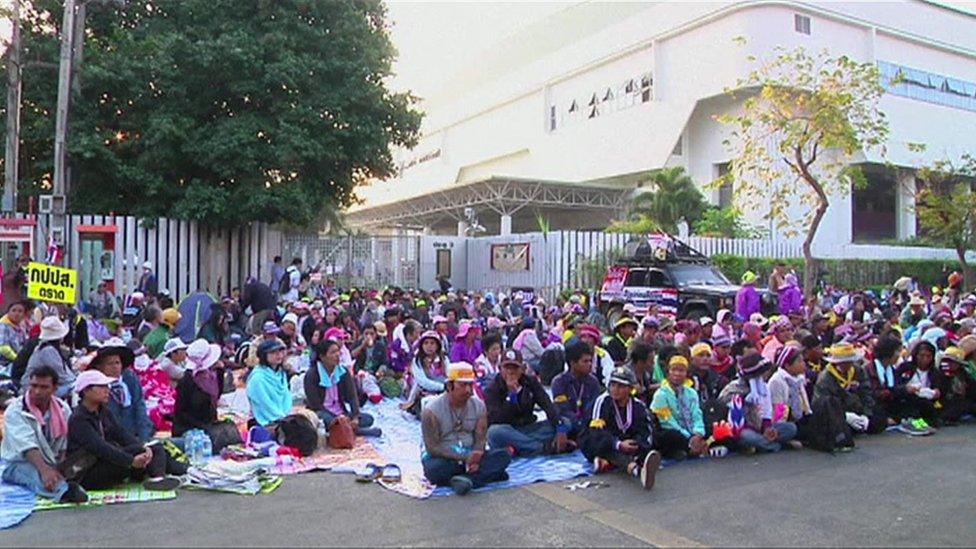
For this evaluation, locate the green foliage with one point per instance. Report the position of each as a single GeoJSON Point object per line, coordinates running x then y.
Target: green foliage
{"type": "Point", "coordinates": [845, 273]}
{"type": "Point", "coordinates": [804, 120]}
{"type": "Point", "coordinates": [220, 111]}
{"type": "Point", "coordinates": [673, 198]}
{"type": "Point", "coordinates": [946, 205]}
{"type": "Point", "coordinates": [725, 223]}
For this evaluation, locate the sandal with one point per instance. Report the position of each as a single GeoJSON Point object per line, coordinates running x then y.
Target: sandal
{"type": "Point", "coordinates": [371, 473]}
{"type": "Point", "coordinates": [392, 473]}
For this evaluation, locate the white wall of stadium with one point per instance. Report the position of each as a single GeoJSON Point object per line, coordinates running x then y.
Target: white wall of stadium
{"type": "Point", "coordinates": [186, 256]}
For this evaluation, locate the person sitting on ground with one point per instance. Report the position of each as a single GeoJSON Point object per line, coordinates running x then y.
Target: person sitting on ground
{"type": "Point", "coordinates": [13, 334]}
{"type": "Point", "coordinates": [780, 333]}
{"type": "Point", "coordinates": [369, 352]}
{"type": "Point", "coordinates": [958, 386]}
{"type": "Point", "coordinates": [920, 380]}
{"type": "Point", "coordinates": [812, 350]}
{"type": "Point", "coordinates": [330, 391]}
{"type": "Point", "coordinates": [575, 390]}
{"type": "Point", "coordinates": [623, 336]}
{"type": "Point", "coordinates": [156, 339]}
{"type": "Point", "coordinates": [619, 432]}
{"type": "Point", "coordinates": [454, 426]}
{"type": "Point", "coordinates": [787, 389]}
{"type": "Point", "coordinates": [151, 319]}
{"type": "Point", "coordinates": [641, 362]}
{"type": "Point", "coordinates": [527, 342]}
{"type": "Point", "coordinates": [748, 397]}
{"type": "Point", "coordinates": [216, 329]}
{"type": "Point", "coordinates": [467, 343]}
{"type": "Point", "coordinates": [888, 393]}
{"type": "Point", "coordinates": [427, 372]}
{"type": "Point", "coordinates": [602, 362]}
{"type": "Point", "coordinates": [511, 399]}
{"type": "Point", "coordinates": [489, 363]}
{"type": "Point", "coordinates": [722, 362]}
{"type": "Point", "coordinates": [102, 454]}
{"type": "Point", "coordinates": [49, 353]}
{"type": "Point", "coordinates": [706, 382]}
{"type": "Point", "coordinates": [173, 359]}
{"type": "Point", "coordinates": [267, 384]}
{"type": "Point", "coordinates": [401, 348]}
{"type": "Point", "coordinates": [35, 439]}
{"type": "Point", "coordinates": [679, 413]}
{"type": "Point", "coordinates": [844, 380]}
{"type": "Point", "coordinates": [197, 393]}
{"type": "Point", "coordinates": [126, 402]}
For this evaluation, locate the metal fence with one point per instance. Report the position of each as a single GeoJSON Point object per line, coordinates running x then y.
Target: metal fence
{"type": "Point", "coordinates": [358, 261]}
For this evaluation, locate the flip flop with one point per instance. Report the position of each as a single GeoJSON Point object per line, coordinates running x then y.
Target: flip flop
{"type": "Point", "coordinates": [392, 473]}
{"type": "Point", "coordinates": [371, 473]}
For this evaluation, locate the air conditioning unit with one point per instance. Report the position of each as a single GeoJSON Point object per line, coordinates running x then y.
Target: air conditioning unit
{"type": "Point", "coordinates": [45, 204]}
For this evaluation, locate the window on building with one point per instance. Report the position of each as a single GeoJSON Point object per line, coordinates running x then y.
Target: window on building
{"type": "Point", "coordinates": [552, 118]}
{"type": "Point", "coordinates": [928, 87]}
{"type": "Point", "coordinates": [801, 23]}
{"type": "Point", "coordinates": [725, 192]}
{"type": "Point", "coordinates": [874, 207]}
{"type": "Point", "coordinates": [646, 83]}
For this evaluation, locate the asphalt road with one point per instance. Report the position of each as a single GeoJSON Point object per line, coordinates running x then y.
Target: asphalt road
{"type": "Point", "coordinates": [892, 491]}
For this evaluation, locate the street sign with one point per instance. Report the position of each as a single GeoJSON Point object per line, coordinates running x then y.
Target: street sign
{"type": "Point", "coordinates": [50, 283]}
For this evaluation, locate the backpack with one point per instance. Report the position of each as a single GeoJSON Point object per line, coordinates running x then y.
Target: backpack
{"type": "Point", "coordinates": [551, 364]}
{"type": "Point", "coordinates": [827, 428]}
{"type": "Point", "coordinates": [299, 433]}
{"type": "Point", "coordinates": [284, 285]}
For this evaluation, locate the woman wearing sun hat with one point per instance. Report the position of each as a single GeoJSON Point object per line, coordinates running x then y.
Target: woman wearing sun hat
{"type": "Point", "coordinates": [844, 379]}
{"type": "Point", "coordinates": [199, 390]}
{"type": "Point", "coordinates": [48, 353]}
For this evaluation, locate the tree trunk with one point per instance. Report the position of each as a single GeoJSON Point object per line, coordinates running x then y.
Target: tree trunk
{"type": "Point", "coordinates": [968, 278]}
{"type": "Point", "coordinates": [809, 264]}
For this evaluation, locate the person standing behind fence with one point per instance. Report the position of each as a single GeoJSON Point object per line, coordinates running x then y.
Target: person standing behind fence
{"type": "Point", "coordinates": [294, 276]}
{"type": "Point", "coordinates": [277, 272]}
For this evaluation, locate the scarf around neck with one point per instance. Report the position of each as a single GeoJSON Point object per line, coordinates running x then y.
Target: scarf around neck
{"type": "Point", "coordinates": [58, 427]}
{"type": "Point", "coordinates": [886, 374]}
{"type": "Point", "coordinates": [844, 381]}
{"type": "Point", "coordinates": [759, 396]}
{"type": "Point", "coordinates": [325, 380]}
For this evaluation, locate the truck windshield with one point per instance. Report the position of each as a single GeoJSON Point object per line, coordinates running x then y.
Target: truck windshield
{"type": "Point", "coordinates": [697, 275]}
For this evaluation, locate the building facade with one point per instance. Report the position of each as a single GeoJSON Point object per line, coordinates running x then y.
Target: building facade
{"type": "Point", "coordinates": [560, 124]}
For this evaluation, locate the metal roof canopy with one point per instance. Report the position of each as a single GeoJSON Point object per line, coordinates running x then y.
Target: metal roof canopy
{"type": "Point", "coordinates": [503, 195]}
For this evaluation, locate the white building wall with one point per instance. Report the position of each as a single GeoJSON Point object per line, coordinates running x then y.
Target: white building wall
{"type": "Point", "coordinates": [499, 126]}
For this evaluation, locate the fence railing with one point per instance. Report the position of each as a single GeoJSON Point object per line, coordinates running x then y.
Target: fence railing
{"type": "Point", "coordinates": [185, 255]}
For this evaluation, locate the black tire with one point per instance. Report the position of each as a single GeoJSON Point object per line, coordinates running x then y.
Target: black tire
{"type": "Point", "coordinates": [694, 312]}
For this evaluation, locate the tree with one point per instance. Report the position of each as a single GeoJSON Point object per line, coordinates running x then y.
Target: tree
{"type": "Point", "coordinates": [220, 111]}
{"type": "Point", "coordinates": [673, 198]}
{"type": "Point", "coordinates": [946, 207]}
{"type": "Point", "coordinates": [804, 119]}
{"type": "Point", "coordinates": [725, 223]}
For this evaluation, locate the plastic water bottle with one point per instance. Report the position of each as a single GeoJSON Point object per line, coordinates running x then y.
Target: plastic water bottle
{"type": "Point", "coordinates": [195, 447]}
{"type": "Point", "coordinates": [206, 447]}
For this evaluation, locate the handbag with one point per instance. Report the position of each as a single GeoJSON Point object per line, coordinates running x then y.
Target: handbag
{"type": "Point", "coordinates": [223, 434]}
{"type": "Point", "coordinates": [75, 464]}
{"type": "Point", "coordinates": [341, 434]}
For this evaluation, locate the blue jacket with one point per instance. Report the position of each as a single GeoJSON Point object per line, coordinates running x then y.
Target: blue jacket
{"type": "Point", "coordinates": [134, 418]}
{"type": "Point", "coordinates": [666, 406]}
{"type": "Point", "coordinates": [268, 393]}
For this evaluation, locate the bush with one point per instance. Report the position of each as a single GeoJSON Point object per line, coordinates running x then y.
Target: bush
{"type": "Point", "coordinates": [845, 273]}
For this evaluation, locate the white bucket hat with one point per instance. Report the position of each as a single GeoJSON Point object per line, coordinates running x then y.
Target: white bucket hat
{"type": "Point", "coordinates": [202, 355]}
{"type": "Point", "coordinates": [52, 329]}
{"type": "Point", "coordinates": [172, 345]}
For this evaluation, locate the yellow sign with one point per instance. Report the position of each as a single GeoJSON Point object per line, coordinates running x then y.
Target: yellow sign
{"type": "Point", "coordinates": [50, 283]}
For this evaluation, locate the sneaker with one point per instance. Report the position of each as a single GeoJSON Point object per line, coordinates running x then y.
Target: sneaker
{"type": "Point", "coordinates": [652, 462]}
{"type": "Point", "coordinates": [601, 465]}
{"type": "Point", "coordinates": [718, 451]}
{"type": "Point", "coordinates": [162, 484]}
{"type": "Point", "coordinates": [461, 485]}
{"type": "Point", "coordinates": [794, 445]}
{"type": "Point", "coordinates": [74, 494]}
{"type": "Point", "coordinates": [922, 425]}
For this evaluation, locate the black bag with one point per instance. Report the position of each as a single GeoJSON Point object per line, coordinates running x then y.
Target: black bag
{"type": "Point", "coordinates": [551, 364]}
{"type": "Point", "coordinates": [713, 411]}
{"type": "Point", "coordinates": [827, 427]}
{"type": "Point", "coordinates": [223, 434]}
{"type": "Point", "coordinates": [284, 285]}
{"type": "Point", "coordinates": [298, 432]}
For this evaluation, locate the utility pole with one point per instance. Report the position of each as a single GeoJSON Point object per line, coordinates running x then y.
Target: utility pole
{"type": "Point", "coordinates": [12, 154]}
{"type": "Point", "coordinates": [59, 201]}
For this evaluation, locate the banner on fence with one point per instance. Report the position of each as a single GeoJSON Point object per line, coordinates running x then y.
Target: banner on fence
{"type": "Point", "coordinates": [50, 283]}
{"type": "Point", "coordinates": [510, 257]}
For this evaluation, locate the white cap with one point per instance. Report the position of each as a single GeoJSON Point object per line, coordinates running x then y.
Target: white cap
{"type": "Point", "coordinates": [290, 317]}
{"type": "Point", "coordinates": [147, 265]}
{"type": "Point", "coordinates": [89, 378]}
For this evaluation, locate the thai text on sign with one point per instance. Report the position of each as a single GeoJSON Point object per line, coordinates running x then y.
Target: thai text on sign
{"type": "Point", "coordinates": [50, 283]}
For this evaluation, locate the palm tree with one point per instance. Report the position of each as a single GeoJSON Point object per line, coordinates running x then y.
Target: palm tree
{"type": "Point", "coordinates": [674, 198]}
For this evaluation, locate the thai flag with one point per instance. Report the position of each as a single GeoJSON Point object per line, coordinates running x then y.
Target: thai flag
{"type": "Point", "coordinates": [53, 251]}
